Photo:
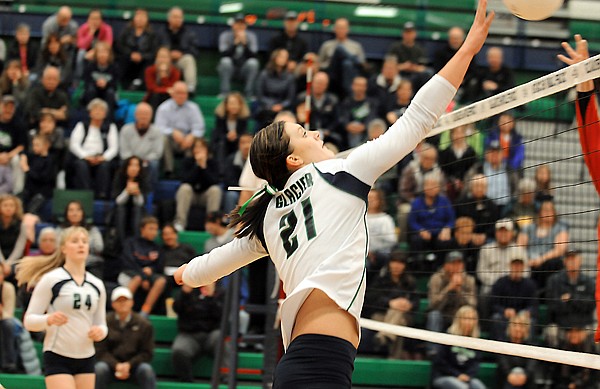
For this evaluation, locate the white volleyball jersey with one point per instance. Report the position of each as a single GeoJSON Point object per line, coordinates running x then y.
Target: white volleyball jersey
{"type": "Point", "coordinates": [84, 305]}
{"type": "Point", "coordinates": [315, 227]}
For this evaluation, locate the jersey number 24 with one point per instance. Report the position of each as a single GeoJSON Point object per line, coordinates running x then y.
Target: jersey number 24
{"type": "Point", "coordinates": [288, 223]}
{"type": "Point", "coordinates": [77, 301]}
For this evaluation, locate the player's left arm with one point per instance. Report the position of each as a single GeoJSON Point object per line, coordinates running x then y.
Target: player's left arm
{"type": "Point", "coordinates": [99, 329]}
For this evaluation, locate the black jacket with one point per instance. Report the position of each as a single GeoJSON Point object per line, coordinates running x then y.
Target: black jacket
{"type": "Point", "coordinates": [183, 40]}
{"type": "Point", "coordinates": [200, 179]}
{"type": "Point", "coordinates": [578, 310]}
{"type": "Point", "coordinates": [198, 313]}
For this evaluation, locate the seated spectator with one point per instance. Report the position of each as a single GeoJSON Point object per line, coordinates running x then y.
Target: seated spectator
{"type": "Point", "coordinates": [13, 141]}
{"type": "Point", "coordinates": [94, 146]}
{"type": "Point", "coordinates": [9, 327]}
{"type": "Point", "coordinates": [571, 301]}
{"type": "Point", "coordinates": [24, 49]}
{"type": "Point", "coordinates": [476, 205]}
{"type": "Point", "coordinates": [544, 191]}
{"type": "Point", "coordinates": [492, 79]}
{"type": "Point", "coordinates": [100, 77]}
{"type": "Point", "coordinates": [454, 366]}
{"type": "Point", "coordinates": [456, 160]}
{"type": "Point", "coordinates": [216, 225]}
{"type": "Point", "coordinates": [514, 371]}
{"type": "Point", "coordinates": [396, 105]}
{"type": "Point", "coordinates": [410, 184]}
{"type": "Point", "coordinates": [13, 236]}
{"type": "Point", "coordinates": [56, 136]}
{"type": "Point", "coordinates": [62, 25]}
{"type": "Point", "coordinates": [512, 296]}
{"type": "Point", "coordinates": [522, 208]}
{"type": "Point", "coordinates": [382, 231]}
{"type": "Point", "coordinates": [238, 48]}
{"type": "Point", "coordinates": [309, 61]}
{"type": "Point", "coordinates": [392, 298]}
{"type": "Point", "coordinates": [323, 108]}
{"type": "Point", "coordinates": [494, 261]}
{"type": "Point", "coordinates": [233, 166]}
{"type": "Point", "coordinates": [88, 36]}
{"type": "Point", "coordinates": [356, 112]}
{"type": "Point", "coordinates": [54, 54]}
{"type": "Point", "coordinates": [160, 78]}
{"type": "Point", "coordinates": [577, 340]}
{"type": "Point", "coordinates": [462, 240]}
{"type": "Point", "coordinates": [198, 320]}
{"type": "Point", "coordinates": [290, 40]}
{"type": "Point", "coordinates": [136, 49]}
{"type": "Point", "coordinates": [231, 122]}
{"type": "Point", "coordinates": [14, 82]}
{"type": "Point", "coordinates": [502, 181]}
{"type": "Point", "coordinates": [275, 88]}
{"type": "Point", "coordinates": [143, 139]}
{"type": "Point", "coordinates": [546, 241]}
{"type": "Point", "coordinates": [142, 265]}
{"type": "Point", "coordinates": [511, 142]}
{"type": "Point", "coordinates": [126, 353]}
{"type": "Point", "coordinates": [383, 86]}
{"type": "Point", "coordinates": [74, 216]}
{"type": "Point", "coordinates": [172, 252]}
{"type": "Point", "coordinates": [130, 190]}
{"type": "Point", "coordinates": [342, 58]}
{"type": "Point", "coordinates": [47, 242]}
{"type": "Point", "coordinates": [411, 57]}
{"type": "Point", "coordinates": [181, 122]}
{"type": "Point", "coordinates": [48, 98]}
{"type": "Point", "coordinates": [449, 289]}
{"type": "Point", "coordinates": [430, 223]}
{"type": "Point", "coordinates": [200, 185]}
{"type": "Point", "coordinates": [183, 46]}
{"type": "Point", "coordinates": [40, 168]}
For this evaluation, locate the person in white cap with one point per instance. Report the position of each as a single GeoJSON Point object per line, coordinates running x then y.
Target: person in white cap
{"type": "Point", "coordinates": [126, 353]}
{"type": "Point", "coordinates": [494, 261]}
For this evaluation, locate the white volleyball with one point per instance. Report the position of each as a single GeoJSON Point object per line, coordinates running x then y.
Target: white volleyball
{"type": "Point", "coordinates": [533, 9]}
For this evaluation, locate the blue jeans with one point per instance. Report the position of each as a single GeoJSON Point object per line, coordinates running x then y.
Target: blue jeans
{"type": "Point", "coordinates": [343, 67]}
{"type": "Point", "coordinates": [435, 322]}
{"type": "Point", "coordinates": [248, 72]}
{"type": "Point", "coordinates": [9, 343]}
{"type": "Point", "coordinates": [450, 382]}
{"type": "Point", "coordinates": [143, 375]}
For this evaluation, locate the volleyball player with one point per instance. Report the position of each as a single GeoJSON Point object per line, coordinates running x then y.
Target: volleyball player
{"type": "Point", "coordinates": [311, 219]}
{"type": "Point", "coordinates": [70, 305]}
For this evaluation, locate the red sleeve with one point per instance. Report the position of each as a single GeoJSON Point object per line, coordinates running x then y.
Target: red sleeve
{"type": "Point", "coordinates": [589, 137]}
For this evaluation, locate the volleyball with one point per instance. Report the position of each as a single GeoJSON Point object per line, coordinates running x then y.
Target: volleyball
{"type": "Point", "coordinates": [533, 9]}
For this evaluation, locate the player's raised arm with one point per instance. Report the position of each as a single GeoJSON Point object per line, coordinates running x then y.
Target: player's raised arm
{"type": "Point", "coordinates": [456, 68]}
{"type": "Point", "coordinates": [371, 160]}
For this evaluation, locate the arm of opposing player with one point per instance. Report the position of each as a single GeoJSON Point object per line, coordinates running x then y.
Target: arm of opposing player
{"type": "Point", "coordinates": [222, 261]}
{"type": "Point", "coordinates": [374, 158]}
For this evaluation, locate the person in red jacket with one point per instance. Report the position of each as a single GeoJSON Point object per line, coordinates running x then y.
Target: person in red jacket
{"type": "Point", "coordinates": [160, 78]}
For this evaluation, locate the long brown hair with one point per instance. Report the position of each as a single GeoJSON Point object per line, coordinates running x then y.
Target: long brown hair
{"type": "Point", "coordinates": [268, 153]}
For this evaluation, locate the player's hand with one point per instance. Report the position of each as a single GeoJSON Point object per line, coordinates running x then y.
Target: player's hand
{"type": "Point", "coordinates": [479, 29]}
{"type": "Point", "coordinates": [57, 319]}
{"type": "Point", "coordinates": [580, 53]}
{"type": "Point", "coordinates": [95, 333]}
{"type": "Point", "coordinates": [178, 275]}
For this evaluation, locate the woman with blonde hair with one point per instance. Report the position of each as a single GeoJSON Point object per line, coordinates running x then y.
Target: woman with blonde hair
{"type": "Point", "coordinates": [231, 122]}
{"type": "Point", "coordinates": [13, 232]}
{"type": "Point", "coordinates": [455, 367]}
{"type": "Point", "coordinates": [70, 305]}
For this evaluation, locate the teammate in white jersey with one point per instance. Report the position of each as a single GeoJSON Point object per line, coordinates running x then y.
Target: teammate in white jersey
{"type": "Point", "coordinates": [311, 219]}
{"type": "Point", "coordinates": [70, 305]}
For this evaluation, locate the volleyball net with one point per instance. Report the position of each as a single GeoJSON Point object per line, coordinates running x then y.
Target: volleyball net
{"type": "Point", "coordinates": [542, 111]}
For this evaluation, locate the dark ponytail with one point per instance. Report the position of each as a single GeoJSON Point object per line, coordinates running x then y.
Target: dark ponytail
{"type": "Point", "coordinates": [268, 153]}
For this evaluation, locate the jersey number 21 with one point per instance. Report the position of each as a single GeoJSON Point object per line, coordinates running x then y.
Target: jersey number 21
{"type": "Point", "coordinates": [288, 223]}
